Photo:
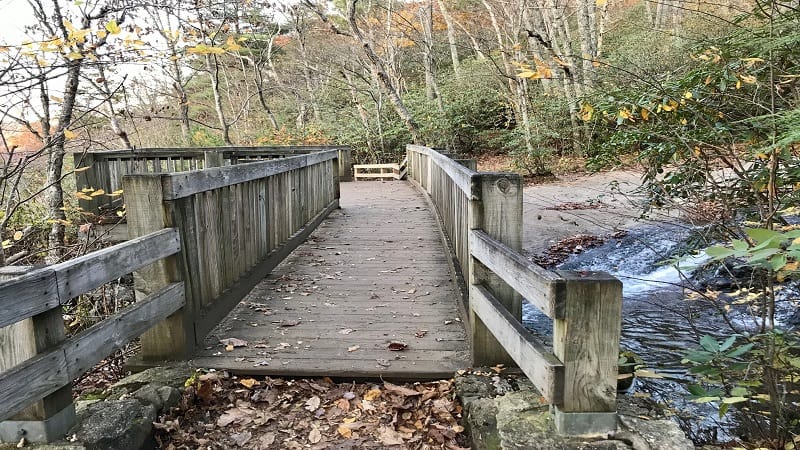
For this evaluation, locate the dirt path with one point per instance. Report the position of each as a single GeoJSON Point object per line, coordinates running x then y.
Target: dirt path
{"type": "Point", "coordinates": [598, 204]}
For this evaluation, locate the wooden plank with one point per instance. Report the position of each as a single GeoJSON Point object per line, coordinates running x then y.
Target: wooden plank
{"type": "Point", "coordinates": [212, 315]}
{"type": "Point", "coordinates": [48, 372]}
{"type": "Point", "coordinates": [88, 348]}
{"type": "Point", "coordinates": [541, 287]}
{"type": "Point", "coordinates": [183, 184]}
{"type": "Point", "coordinates": [499, 214]}
{"type": "Point", "coordinates": [89, 271]}
{"type": "Point", "coordinates": [28, 295]}
{"type": "Point", "coordinates": [587, 341]}
{"type": "Point", "coordinates": [545, 371]}
{"type": "Point", "coordinates": [461, 176]}
{"type": "Point", "coordinates": [148, 212]}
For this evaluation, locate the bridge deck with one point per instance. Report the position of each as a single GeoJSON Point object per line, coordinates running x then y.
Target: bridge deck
{"type": "Point", "coordinates": [373, 275]}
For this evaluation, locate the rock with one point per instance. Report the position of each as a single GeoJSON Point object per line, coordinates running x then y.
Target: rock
{"type": "Point", "coordinates": [521, 420]}
{"type": "Point", "coordinates": [116, 424]}
{"type": "Point", "coordinates": [172, 376]}
{"type": "Point", "coordinates": [161, 397]}
{"type": "Point", "coordinates": [653, 434]}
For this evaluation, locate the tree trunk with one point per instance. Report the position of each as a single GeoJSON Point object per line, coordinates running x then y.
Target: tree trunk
{"type": "Point", "coordinates": [451, 36]}
{"type": "Point", "coordinates": [213, 72]}
{"type": "Point", "coordinates": [431, 87]}
{"type": "Point", "coordinates": [380, 71]}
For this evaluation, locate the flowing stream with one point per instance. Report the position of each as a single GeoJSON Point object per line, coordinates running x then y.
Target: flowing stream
{"type": "Point", "coordinates": [659, 324]}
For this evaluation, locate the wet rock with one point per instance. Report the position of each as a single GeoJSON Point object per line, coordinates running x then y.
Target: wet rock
{"type": "Point", "coordinates": [652, 434]}
{"type": "Point", "coordinates": [118, 424]}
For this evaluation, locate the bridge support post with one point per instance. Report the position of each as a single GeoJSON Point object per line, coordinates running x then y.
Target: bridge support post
{"type": "Point", "coordinates": [496, 208]}
{"type": "Point", "coordinates": [213, 158]}
{"type": "Point", "coordinates": [50, 418]}
{"type": "Point", "coordinates": [586, 341]}
{"type": "Point", "coordinates": [148, 212]}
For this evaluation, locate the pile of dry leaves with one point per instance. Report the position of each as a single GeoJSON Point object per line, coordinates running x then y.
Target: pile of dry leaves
{"type": "Point", "coordinates": [221, 411]}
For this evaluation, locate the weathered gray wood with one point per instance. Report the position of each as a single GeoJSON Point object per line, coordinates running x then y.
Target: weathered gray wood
{"type": "Point", "coordinates": [180, 185]}
{"type": "Point", "coordinates": [347, 276]}
{"type": "Point", "coordinates": [213, 159]}
{"type": "Point", "coordinates": [545, 371]}
{"type": "Point", "coordinates": [499, 214]}
{"type": "Point", "coordinates": [88, 348]}
{"type": "Point", "coordinates": [543, 288]}
{"type": "Point", "coordinates": [28, 295]}
{"type": "Point", "coordinates": [148, 212]}
{"type": "Point", "coordinates": [89, 271]}
{"type": "Point", "coordinates": [460, 175]}
{"type": "Point", "coordinates": [50, 371]}
{"type": "Point", "coordinates": [211, 315]}
{"type": "Point", "coordinates": [587, 341]}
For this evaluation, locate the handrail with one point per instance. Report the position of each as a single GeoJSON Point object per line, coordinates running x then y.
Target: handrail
{"type": "Point", "coordinates": [104, 170]}
{"type": "Point", "coordinates": [32, 304]}
{"type": "Point", "coordinates": [481, 214]}
{"type": "Point", "coordinates": [236, 224]}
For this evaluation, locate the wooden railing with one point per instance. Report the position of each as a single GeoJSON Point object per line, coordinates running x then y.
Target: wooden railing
{"type": "Point", "coordinates": [236, 224]}
{"type": "Point", "coordinates": [481, 214]}
{"type": "Point", "coordinates": [38, 363]}
{"type": "Point", "coordinates": [392, 171]}
{"type": "Point", "coordinates": [105, 170]}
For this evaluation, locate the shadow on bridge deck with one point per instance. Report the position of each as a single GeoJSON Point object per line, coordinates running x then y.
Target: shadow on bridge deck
{"type": "Point", "coordinates": [373, 274]}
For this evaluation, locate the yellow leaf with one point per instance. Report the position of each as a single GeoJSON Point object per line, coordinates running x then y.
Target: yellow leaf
{"type": "Point", "coordinates": [112, 27]}
{"type": "Point", "coordinates": [625, 114]}
{"type": "Point", "coordinates": [56, 99]}
{"type": "Point", "coordinates": [601, 3]}
{"type": "Point", "coordinates": [645, 114]}
{"type": "Point", "coordinates": [346, 433]}
{"type": "Point", "coordinates": [82, 196]}
{"type": "Point", "coordinates": [97, 193]}
{"type": "Point", "coordinates": [101, 33]}
{"type": "Point", "coordinates": [18, 235]}
{"type": "Point", "coordinates": [72, 56]}
{"type": "Point", "coordinates": [82, 169]}
{"type": "Point", "coordinates": [683, 121]}
{"type": "Point", "coordinates": [232, 45]}
{"type": "Point", "coordinates": [738, 84]}
{"type": "Point", "coordinates": [69, 134]}
{"type": "Point", "coordinates": [586, 112]}
{"type": "Point", "coordinates": [749, 79]}
{"type": "Point", "coordinates": [528, 74]}
{"type": "Point", "coordinates": [203, 49]}
{"type": "Point", "coordinates": [372, 394]}
{"type": "Point", "coordinates": [687, 95]}
{"type": "Point", "coordinates": [6, 244]}
{"type": "Point", "coordinates": [116, 193]}
{"type": "Point", "coordinates": [249, 383]}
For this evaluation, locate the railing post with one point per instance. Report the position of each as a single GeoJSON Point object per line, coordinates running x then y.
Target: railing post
{"type": "Point", "coordinates": [50, 418]}
{"type": "Point", "coordinates": [496, 208]}
{"type": "Point", "coordinates": [213, 158]}
{"type": "Point", "coordinates": [587, 343]}
{"type": "Point", "coordinates": [147, 211]}
{"type": "Point", "coordinates": [88, 179]}
{"type": "Point", "coordinates": [345, 166]}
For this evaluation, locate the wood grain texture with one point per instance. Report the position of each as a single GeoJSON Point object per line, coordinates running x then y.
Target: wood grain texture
{"type": "Point", "coordinates": [545, 371]}
{"type": "Point", "coordinates": [28, 295]}
{"type": "Point", "coordinates": [541, 287]}
{"type": "Point", "coordinates": [55, 368]}
{"type": "Point", "coordinates": [587, 341]}
{"type": "Point", "coordinates": [376, 267]}
{"type": "Point", "coordinates": [183, 184]}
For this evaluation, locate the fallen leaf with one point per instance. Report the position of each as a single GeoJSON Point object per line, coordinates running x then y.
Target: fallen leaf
{"type": "Point", "coordinates": [372, 394]}
{"type": "Point", "coordinates": [353, 348]}
{"type": "Point", "coordinates": [498, 368]}
{"type": "Point", "coordinates": [345, 432]}
{"type": "Point", "coordinates": [346, 331]}
{"type": "Point", "coordinates": [289, 323]}
{"type": "Point", "coordinates": [397, 346]}
{"type": "Point", "coordinates": [420, 333]}
{"type": "Point", "coordinates": [314, 436]}
{"type": "Point", "coordinates": [267, 439]}
{"type": "Point", "coordinates": [313, 403]}
{"type": "Point", "coordinates": [400, 389]}
{"type": "Point", "coordinates": [229, 348]}
{"type": "Point", "coordinates": [234, 415]}
{"type": "Point", "coordinates": [249, 383]}
{"type": "Point", "coordinates": [389, 436]}
{"type": "Point", "coordinates": [343, 404]}
{"type": "Point", "coordinates": [349, 395]}
{"type": "Point", "coordinates": [242, 438]}
{"type": "Point", "coordinates": [233, 342]}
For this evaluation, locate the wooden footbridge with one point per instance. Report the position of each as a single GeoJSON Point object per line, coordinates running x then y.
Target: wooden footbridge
{"type": "Point", "coordinates": [263, 261]}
